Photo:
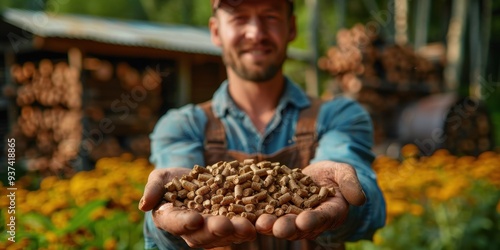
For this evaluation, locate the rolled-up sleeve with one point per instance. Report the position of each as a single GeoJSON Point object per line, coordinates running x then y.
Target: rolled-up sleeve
{"type": "Point", "coordinates": [346, 135]}
{"type": "Point", "coordinates": [177, 141]}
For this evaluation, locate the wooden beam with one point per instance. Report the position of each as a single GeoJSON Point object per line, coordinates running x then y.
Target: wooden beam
{"type": "Point", "coordinates": [455, 39]}
{"type": "Point", "coordinates": [312, 73]}
{"type": "Point", "coordinates": [63, 45]}
{"type": "Point", "coordinates": [184, 83]}
{"type": "Point", "coordinates": [422, 23]}
{"type": "Point", "coordinates": [475, 49]}
{"type": "Point", "coordinates": [401, 22]}
{"type": "Point", "coordinates": [486, 19]}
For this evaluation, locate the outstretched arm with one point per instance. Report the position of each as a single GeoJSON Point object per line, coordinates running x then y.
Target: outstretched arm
{"type": "Point", "coordinates": [329, 214]}
{"type": "Point", "coordinates": [346, 136]}
{"type": "Point", "coordinates": [197, 230]}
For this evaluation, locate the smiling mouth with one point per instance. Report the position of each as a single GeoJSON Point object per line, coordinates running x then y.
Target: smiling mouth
{"type": "Point", "coordinates": [257, 52]}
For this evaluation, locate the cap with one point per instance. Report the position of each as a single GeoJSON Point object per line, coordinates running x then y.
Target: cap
{"type": "Point", "coordinates": [216, 3]}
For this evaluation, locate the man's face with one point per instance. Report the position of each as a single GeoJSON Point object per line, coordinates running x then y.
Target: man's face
{"type": "Point", "coordinates": [253, 35]}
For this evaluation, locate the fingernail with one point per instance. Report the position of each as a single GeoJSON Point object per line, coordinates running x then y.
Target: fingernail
{"type": "Point", "coordinates": [141, 203]}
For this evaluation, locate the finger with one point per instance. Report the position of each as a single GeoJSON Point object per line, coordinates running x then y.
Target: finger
{"type": "Point", "coordinates": [329, 173]}
{"type": "Point", "coordinates": [349, 185]}
{"type": "Point", "coordinates": [154, 189]}
{"type": "Point", "coordinates": [244, 230]}
{"type": "Point", "coordinates": [219, 226]}
{"type": "Point", "coordinates": [284, 227]}
{"type": "Point", "coordinates": [210, 235]}
{"type": "Point", "coordinates": [328, 215]}
{"type": "Point", "coordinates": [264, 224]}
{"type": "Point", "coordinates": [310, 224]}
{"type": "Point", "coordinates": [177, 221]}
{"type": "Point", "coordinates": [309, 221]}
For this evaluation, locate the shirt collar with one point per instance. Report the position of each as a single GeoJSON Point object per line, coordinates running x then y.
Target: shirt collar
{"type": "Point", "coordinates": [222, 102]}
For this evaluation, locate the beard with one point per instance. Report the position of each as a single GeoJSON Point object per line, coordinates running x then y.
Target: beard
{"type": "Point", "coordinates": [258, 71]}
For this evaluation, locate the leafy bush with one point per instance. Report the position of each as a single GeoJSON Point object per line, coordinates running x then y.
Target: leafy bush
{"type": "Point", "coordinates": [92, 210]}
{"type": "Point", "coordinates": [439, 202]}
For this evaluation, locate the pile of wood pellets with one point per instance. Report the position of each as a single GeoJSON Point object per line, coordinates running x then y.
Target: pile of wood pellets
{"type": "Point", "coordinates": [246, 189]}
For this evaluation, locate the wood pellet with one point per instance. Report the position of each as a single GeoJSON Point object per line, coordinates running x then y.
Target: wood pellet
{"type": "Point", "coordinates": [246, 189]}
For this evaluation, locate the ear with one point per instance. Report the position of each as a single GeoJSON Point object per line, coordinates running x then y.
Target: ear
{"type": "Point", "coordinates": [292, 33]}
{"type": "Point", "coordinates": [213, 26]}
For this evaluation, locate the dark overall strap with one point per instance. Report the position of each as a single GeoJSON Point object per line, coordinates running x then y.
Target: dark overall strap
{"type": "Point", "coordinates": [306, 137]}
{"type": "Point", "coordinates": [305, 134]}
{"type": "Point", "coordinates": [215, 136]}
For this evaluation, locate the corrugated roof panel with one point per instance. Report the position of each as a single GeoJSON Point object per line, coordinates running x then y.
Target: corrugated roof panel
{"type": "Point", "coordinates": [132, 33]}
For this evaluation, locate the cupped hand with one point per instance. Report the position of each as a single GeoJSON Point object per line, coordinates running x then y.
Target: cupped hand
{"type": "Point", "coordinates": [199, 231]}
{"type": "Point", "coordinates": [330, 214]}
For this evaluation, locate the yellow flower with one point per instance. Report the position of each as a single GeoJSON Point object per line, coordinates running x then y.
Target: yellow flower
{"type": "Point", "coordinates": [51, 237]}
{"type": "Point", "coordinates": [135, 216]}
{"type": "Point", "coordinates": [110, 244]}
{"type": "Point", "coordinates": [377, 239]}
{"type": "Point", "coordinates": [48, 182]}
{"type": "Point", "coordinates": [99, 213]}
{"type": "Point", "coordinates": [395, 208]}
{"type": "Point", "coordinates": [127, 157]}
{"type": "Point", "coordinates": [416, 209]}
{"type": "Point", "coordinates": [410, 150]}
{"type": "Point", "coordinates": [61, 218]}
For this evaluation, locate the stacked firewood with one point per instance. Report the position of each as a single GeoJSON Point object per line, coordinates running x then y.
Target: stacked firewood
{"type": "Point", "coordinates": [380, 76]}
{"type": "Point", "coordinates": [361, 59]}
{"type": "Point", "coordinates": [128, 98]}
{"type": "Point", "coordinates": [48, 85]}
{"type": "Point", "coordinates": [49, 121]}
{"type": "Point", "coordinates": [468, 128]}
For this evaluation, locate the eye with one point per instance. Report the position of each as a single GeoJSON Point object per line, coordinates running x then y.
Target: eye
{"type": "Point", "coordinates": [272, 17]}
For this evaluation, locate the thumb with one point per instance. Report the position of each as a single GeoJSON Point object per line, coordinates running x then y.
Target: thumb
{"type": "Point", "coordinates": [341, 174]}
{"type": "Point", "coordinates": [154, 189]}
{"type": "Point", "coordinates": [349, 184]}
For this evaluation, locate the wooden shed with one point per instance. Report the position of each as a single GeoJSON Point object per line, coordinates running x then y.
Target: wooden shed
{"type": "Point", "coordinates": [78, 88]}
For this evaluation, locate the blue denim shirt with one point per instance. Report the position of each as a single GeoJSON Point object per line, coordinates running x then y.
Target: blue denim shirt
{"type": "Point", "coordinates": [344, 130]}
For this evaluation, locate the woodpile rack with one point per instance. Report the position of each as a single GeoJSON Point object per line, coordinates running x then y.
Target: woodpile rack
{"type": "Point", "coordinates": [390, 80]}
{"type": "Point", "coordinates": [74, 95]}
{"type": "Point", "coordinates": [64, 124]}
{"type": "Point", "coordinates": [49, 129]}
{"type": "Point", "coordinates": [127, 99]}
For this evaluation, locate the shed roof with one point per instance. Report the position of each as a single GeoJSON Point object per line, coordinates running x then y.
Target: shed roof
{"type": "Point", "coordinates": [124, 32]}
{"type": "Point", "coordinates": [181, 38]}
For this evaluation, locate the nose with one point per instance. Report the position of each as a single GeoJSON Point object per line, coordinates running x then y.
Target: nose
{"type": "Point", "coordinates": [255, 30]}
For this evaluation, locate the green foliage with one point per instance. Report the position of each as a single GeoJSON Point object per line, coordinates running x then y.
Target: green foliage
{"type": "Point", "coordinates": [82, 230]}
{"type": "Point", "coordinates": [21, 4]}
{"type": "Point", "coordinates": [194, 12]}
{"type": "Point", "coordinates": [94, 209]}
{"type": "Point", "coordinates": [468, 221]}
{"type": "Point", "coordinates": [129, 9]}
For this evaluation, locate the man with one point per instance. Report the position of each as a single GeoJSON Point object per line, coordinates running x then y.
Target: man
{"type": "Point", "coordinates": [259, 113]}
